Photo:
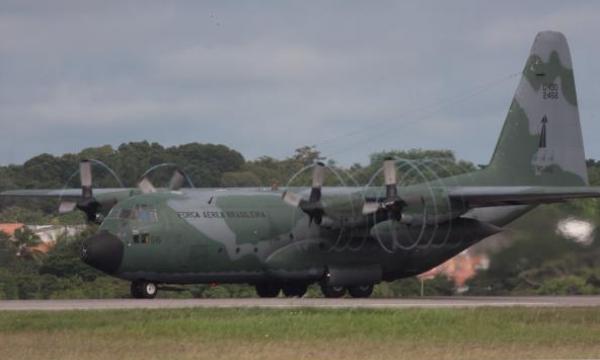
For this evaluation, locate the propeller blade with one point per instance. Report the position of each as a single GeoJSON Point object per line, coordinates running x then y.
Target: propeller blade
{"type": "Point", "coordinates": [389, 174]}
{"type": "Point", "coordinates": [146, 186]}
{"type": "Point", "coordinates": [317, 182]}
{"type": "Point", "coordinates": [318, 175]}
{"type": "Point", "coordinates": [370, 207]}
{"type": "Point", "coordinates": [177, 180]}
{"type": "Point", "coordinates": [291, 198]}
{"type": "Point", "coordinates": [66, 207]}
{"type": "Point", "coordinates": [85, 176]}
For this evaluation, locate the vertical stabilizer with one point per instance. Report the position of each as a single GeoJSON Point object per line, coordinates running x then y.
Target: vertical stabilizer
{"type": "Point", "coordinates": [541, 141]}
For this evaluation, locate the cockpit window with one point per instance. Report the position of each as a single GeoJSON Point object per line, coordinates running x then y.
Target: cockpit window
{"type": "Point", "coordinates": [125, 214]}
{"type": "Point", "coordinates": [145, 214]}
{"type": "Point", "coordinates": [119, 213]}
{"type": "Point", "coordinates": [114, 213]}
{"type": "Point", "coordinates": [142, 213]}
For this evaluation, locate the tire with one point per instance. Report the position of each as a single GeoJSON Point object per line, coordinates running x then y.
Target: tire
{"type": "Point", "coordinates": [294, 290]}
{"type": "Point", "coordinates": [333, 291]}
{"type": "Point", "coordinates": [136, 291]}
{"type": "Point", "coordinates": [267, 290]}
{"type": "Point", "coordinates": [143, 290]}
{"type": "Point", "coordinates": [361, 291]}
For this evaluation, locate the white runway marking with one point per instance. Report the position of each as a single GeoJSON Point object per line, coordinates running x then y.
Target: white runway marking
{"type": "Point", "coordinates": [285, 303]}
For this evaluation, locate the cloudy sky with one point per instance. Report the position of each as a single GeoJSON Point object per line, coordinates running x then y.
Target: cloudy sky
{"type": "Point", "coordinates": [266, 77]}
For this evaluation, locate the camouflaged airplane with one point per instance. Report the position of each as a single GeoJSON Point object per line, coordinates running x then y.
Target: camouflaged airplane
{"type": "Point", "coordinates": [284, 240]}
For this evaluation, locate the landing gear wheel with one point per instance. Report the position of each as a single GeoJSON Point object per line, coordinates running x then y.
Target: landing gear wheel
{"type": "Point", "coordinates": [267, 290]}
{"type": "Point", "coordinates": [136, 292]}
{"type": "Point", "coordinates": [294, 290]}
{"type": "Point", "coordinates": [361, 291]}
{"type": "Point", "coordinates": [143, 289]}
{"type": "Point", "coordinates": [333, 291]}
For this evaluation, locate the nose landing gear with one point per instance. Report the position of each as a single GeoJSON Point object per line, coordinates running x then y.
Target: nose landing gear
{"type": "Point", "coordinates": [141, 289]}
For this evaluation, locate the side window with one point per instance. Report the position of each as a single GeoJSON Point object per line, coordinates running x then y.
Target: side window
{"type": "Point", "coordinates": [114, 213]}
{"type": "Point", "coordinates": [143, 238]}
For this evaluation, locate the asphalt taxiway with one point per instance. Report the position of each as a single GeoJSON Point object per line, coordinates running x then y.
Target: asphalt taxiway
{"type": "Point", "coordinates": [287, 303]}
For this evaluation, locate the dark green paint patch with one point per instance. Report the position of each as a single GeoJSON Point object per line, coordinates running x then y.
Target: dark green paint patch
{"type": "Point", "coordinates": [539, 73]}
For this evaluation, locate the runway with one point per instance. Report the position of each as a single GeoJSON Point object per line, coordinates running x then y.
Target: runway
{"type": "Point", "coordinates": [289, 303]}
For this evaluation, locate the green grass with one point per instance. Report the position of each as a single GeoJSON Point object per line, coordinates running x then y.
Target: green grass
{"type": "Point", "coordinates": [306, 333]}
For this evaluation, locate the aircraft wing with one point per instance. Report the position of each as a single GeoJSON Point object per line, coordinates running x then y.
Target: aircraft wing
{"type": "Point", "coordinates": [70, 193]}
{"type": "Point", "coordinates": [408, 201]}
{"type": "Point", "coordinates": [484, 196]}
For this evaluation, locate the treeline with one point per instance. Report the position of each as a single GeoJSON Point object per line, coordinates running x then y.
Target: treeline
{"type": "Point", "coordinates": [207, 165]}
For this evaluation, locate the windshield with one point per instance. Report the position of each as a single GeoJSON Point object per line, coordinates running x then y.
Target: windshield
{"type": "Point", "coordinates": [142, 213]}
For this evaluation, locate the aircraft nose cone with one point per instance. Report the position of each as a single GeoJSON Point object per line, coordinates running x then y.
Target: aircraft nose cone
{"type": "Point", "coordinates": [104, 251]}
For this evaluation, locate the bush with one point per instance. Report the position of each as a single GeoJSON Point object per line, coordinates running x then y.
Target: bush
{"type": "Point", "coordinates": [566, 285]}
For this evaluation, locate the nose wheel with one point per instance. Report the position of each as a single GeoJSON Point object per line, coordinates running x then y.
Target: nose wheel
{"type": "Point", "coordinates": [143, 289]}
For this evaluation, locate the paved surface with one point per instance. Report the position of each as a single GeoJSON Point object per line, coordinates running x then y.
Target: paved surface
{"type": "Point", "coordinates": [284, 303]}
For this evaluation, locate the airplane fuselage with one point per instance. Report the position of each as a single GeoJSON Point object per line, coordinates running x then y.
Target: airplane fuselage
{"type": "Point", "coordinates": [252, 236]}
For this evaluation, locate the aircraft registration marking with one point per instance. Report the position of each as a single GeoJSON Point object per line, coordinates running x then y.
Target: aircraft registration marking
{"type": "Point", "coordinates": [251, 214]}
{"type": "Point", "coordinates": [550, 91]}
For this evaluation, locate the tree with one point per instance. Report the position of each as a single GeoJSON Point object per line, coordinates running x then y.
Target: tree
{"type": "Point", "coordinates": [307, 155]}
{"type": "Point", "coordinates": [26, 241]}
{"type": "Point", "coordinates": [239, 179]}
{"type": "Point", "coordinates": [63, 260]}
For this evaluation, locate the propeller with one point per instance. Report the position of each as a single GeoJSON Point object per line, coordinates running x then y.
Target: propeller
{"type": "Point", "coordinates": [91, 206]}
{"type": "Point", "coordinates": [391, 206]}
{"type": "Point", "coordinates": [87, 203]}
{"type": "Point", "coordinates": [312, 207]}
{"type": "Point", "coordinates": [175, 183]}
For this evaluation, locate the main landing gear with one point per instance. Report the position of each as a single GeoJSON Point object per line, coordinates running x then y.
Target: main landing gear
{"type": "Point", "coordinates": [141, 289]}
{"type": "Point", "coordinates": [360, 291]}
{"type": "Point", "coordinates": [267, 290]}
{"type": "Point", "coordinates": [333, 292]}
{"type": "Point", "coordinates": [271, 290]}
{"type": "Point", "coordinates": [294, 290]}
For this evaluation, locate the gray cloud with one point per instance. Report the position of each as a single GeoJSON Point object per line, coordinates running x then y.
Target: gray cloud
{"type": "Point", "coordinates": [352, 77]}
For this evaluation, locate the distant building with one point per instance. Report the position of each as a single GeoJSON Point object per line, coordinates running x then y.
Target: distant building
{"type": "Point", "coordinates": [459, 269]}
{"type": "Point", "coordinates": [10, 228]}
{"type": "Point", "coordinates": [48, 234]}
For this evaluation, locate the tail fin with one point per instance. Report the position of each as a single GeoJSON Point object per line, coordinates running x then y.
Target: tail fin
{"type": "Point", "coordinates": [541, 142]}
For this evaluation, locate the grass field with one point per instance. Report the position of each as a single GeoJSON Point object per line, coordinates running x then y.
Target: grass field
{"type": "Point", "coordinates": [490, 333]}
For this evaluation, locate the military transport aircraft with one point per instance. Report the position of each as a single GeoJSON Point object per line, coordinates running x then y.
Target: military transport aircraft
{"type": "Point", "coordinates": [284, 240]}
